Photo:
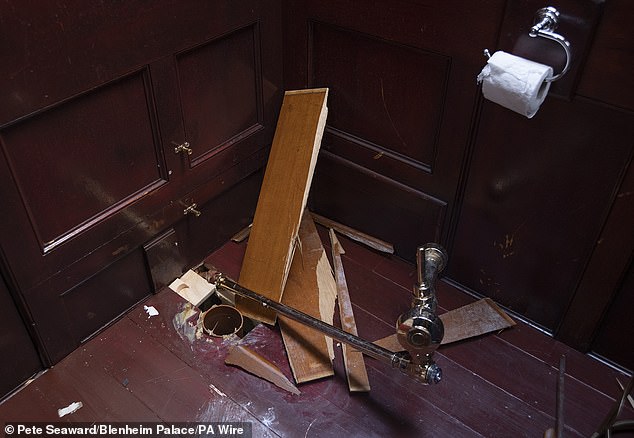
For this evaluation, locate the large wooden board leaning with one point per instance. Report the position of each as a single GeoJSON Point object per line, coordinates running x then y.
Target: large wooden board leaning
{"type": "Point", "coordinates": [310, 288]}
{"type": "Point", "coordinates": [282, 199]}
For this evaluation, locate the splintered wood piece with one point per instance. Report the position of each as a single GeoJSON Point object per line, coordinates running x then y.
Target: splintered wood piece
{"type": "Point", "coordinates": [283, 196]}
{"type": "Point", "coordinates": [192, 287]}
{"type": "Point", "coordinates": [311, 289]}
{"type": "Point", "coordinates": [353, 234]}
{"type": "Point", "coordinates": [352, 359]}
{"type": "Point", "coordinates": [250, 361]}
{"type": "Point", "coordinates": [242, 235]}
{"type": "Point", "coordinates": [475, 319]}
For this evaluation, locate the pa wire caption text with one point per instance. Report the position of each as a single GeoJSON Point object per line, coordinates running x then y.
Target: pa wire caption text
{"type": "Point", "coordinates": [185, 430]}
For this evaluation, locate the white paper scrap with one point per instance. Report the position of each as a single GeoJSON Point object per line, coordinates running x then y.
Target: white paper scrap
{"type": "Point", "coordinates": [151, 311]}
{"type": "Point", "coordinates": [71, 408]}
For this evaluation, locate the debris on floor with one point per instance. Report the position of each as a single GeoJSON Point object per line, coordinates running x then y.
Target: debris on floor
{"type": "Point", "coordinates": [192, 287]}
{"type": "Point", "coordinates": [186, 324]}
{"type": "Point", "coordinates": [311, 289]}
{"type": "Point", "coordinates": [474, 319]}
{"type": "Point", "coordinates": [357, 236]}
{"type": "Point", "coordinates": [352, 359]}
{"type": "Point", "coordinates": [285, 262]}
{"type": "Point", "coordinates": [70, 409]}
{"type": "Point", "coordinates": [151, 311]}
{"type": "Point", "coordinates": [250, 360]}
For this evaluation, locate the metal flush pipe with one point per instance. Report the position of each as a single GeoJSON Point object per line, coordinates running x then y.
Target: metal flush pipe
{"type": "Point", "coordinates": [419, 330]}
{"type": "Point", "coordinates": [423, 372]}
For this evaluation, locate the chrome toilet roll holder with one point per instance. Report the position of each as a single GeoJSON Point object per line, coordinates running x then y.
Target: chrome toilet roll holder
{"type": "Point", "coordinates": [545, 24]}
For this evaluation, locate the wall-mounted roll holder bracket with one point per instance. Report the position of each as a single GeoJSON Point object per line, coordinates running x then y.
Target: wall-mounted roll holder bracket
{"type": "Point", "coordinates": [545, 24]}
{"type": "Point", "coordinates": [546, 21]}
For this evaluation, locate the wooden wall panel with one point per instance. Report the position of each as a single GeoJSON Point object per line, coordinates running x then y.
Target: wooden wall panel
{"type": "Point", "coordinates": [59, 299]}
{"type": "Point", "coordinates": [607, 76]}
{"type": "Point", "coordinates": [62, 48]}
{"type": "Point", "coordinates": [229, 211]}
{"type": "Point", "coordinates": [95, 99]}
{"type": "Point", "coordinates": [535, 203]}
{"type": "Point", "coordinates": [78, 174]}
{"type": "Point", "coordinates": [16, 345]}
{"type": "Point", "coordinates": [92, 304]}
{"type": "Point", "coordinates": [373, 103]}
{"type": "Point", "coordinates": [81, 150]}
{"type": "Point", "coordinates": [605, 272]}
{"type": "Point", "coordinates": [376, 205]}
{"type": "Point", "coordinates": [403, 91]}
{"type": "Point", "coordinates": [220, 84]}
{"type": "Point", "coordinates": [524, 201]}
{"type": "Point", "coordinates": [613, 339]}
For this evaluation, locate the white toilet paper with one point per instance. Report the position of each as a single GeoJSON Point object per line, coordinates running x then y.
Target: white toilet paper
{"type": "Point", "coordinates": [515, 83]}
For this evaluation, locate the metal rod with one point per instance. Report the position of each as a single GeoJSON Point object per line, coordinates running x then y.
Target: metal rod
{"type": "Point", "coordinates": [360, 344]}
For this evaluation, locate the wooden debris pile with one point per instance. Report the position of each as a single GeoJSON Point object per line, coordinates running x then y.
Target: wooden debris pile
{"type": "Point", "coordinates": [285, 261]}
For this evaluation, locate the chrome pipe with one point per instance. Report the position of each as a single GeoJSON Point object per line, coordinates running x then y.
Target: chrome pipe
{"type": "Point", "coordinates": [425, 373]}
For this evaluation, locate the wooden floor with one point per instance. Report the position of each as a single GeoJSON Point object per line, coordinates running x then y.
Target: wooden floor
{"type": "Point", "coordinates": [158, 369]}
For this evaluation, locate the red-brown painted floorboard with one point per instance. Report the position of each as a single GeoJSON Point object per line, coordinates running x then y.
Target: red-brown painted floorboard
{"type": "Point", "coordinates": [161, 369]}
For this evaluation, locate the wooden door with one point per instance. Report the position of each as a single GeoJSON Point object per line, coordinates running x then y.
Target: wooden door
{"type": "Point", "coordinates": [97, 97]}
{"type": "Point", "coordinates": [413, 153]}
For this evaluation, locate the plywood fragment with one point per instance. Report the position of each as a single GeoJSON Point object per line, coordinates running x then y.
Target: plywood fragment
{"type": "Point", "coordinates": [192, 287]}
{"type": "Point", "coordinates": [249, 360]}
{"type": "Point", "coordinates": [353, 359]}
{"type": "Point", "coordinates": [282, 199]}
{"type": "Point", "coordinates": [311, 289]}
{"type": "Point", "coordinates": [483, 316]}
{"type": "Point", "coordinates": [475, 319]}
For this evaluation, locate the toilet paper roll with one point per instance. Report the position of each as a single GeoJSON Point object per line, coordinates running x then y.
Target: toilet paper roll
{"type": "Point", "coordinates": [515, 83]}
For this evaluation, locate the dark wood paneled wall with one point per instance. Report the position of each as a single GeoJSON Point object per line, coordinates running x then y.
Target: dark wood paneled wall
{"type": "Point", "coordinates": [412, 153]}
{"type": "Point", "coordinates": [401, 101]}
{"type": "Point", "coordinates": [96, 99]}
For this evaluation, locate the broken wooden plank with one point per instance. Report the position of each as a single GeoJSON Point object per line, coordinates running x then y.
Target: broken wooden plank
{"type": "Point", "coordinates": [283, 196]}
{"type": "Point", "coordinates": [311, 289]}
{"type": "Point", "coordinates": [352, 359]}
{"type": "Point", "coordinates": [475, 319]}
{"type": "Point", "coordinates": [245, 355]}
{"type": "Point", "coordinates": [356, 235]}
{"type": "Point", "coordinates": [247, 359]}
{"type": "Point", "coordinates": [483, 316]}
{"type": "Point", "coordinates": [353, 234]}
{"type": "Point", "coordinates": [192, 287]}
